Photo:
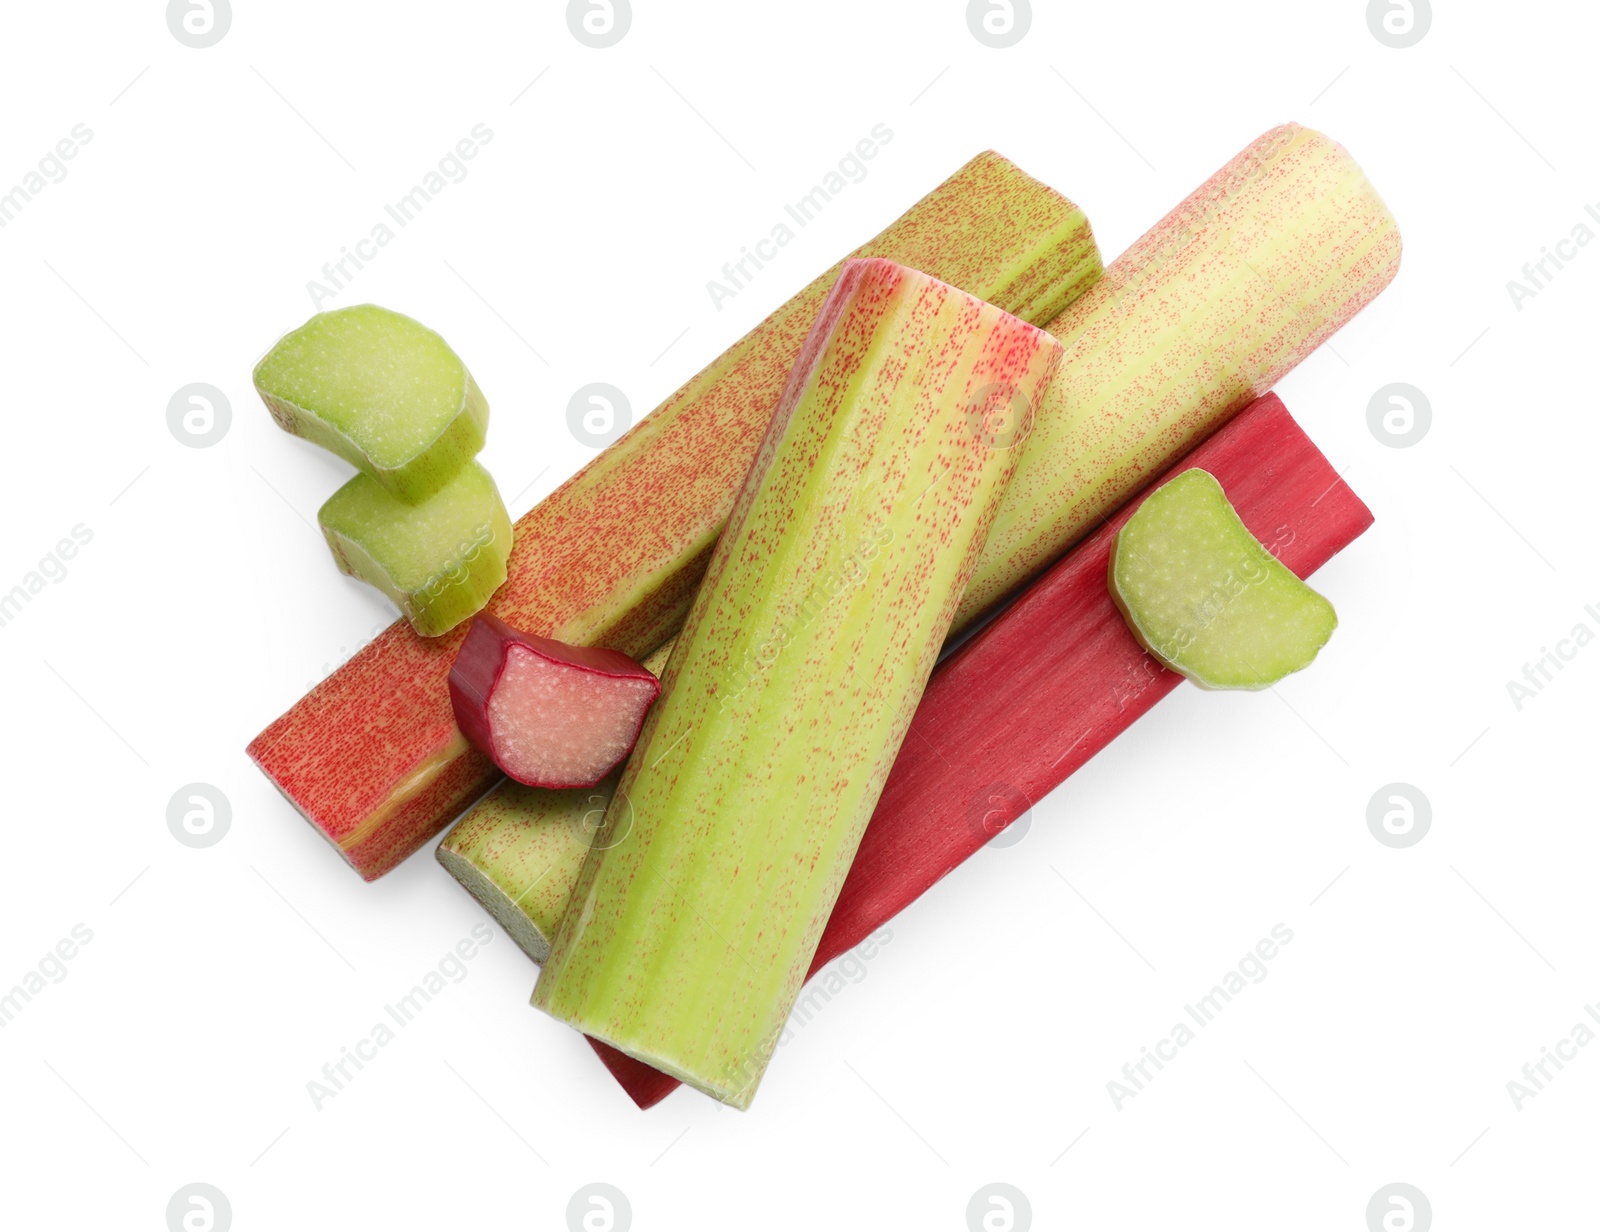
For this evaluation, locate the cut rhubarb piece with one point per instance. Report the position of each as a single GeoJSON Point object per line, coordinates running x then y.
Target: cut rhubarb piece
{"type": "Point", "coordinates": [548, 714]}
{"type": "Point", "coordinates": [1048, 684]}
{"type": "Point", "coordinates": [382, 391]}
{"type": "Point", "coordinates": [519, 849]}
{"type": "Point", "coordinates": [1203, 595]}
{"type": "Point", "coordinates": [439, 561]}
{"type": "Point", "coordinates": [797, 672]}
{"type": "Point", "coordinates": [372, 757]}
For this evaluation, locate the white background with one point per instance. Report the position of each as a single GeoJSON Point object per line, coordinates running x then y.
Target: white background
{"type": "Point", "coordinates": [977, 1048]}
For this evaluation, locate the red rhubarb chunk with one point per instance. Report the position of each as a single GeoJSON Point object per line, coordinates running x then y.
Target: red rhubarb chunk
{"type": "Point", "coordinates": [548, 714]}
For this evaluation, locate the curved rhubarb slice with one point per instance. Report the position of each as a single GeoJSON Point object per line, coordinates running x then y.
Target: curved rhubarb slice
{"type": "Point", "coordinates": [795, 677]}
{"type": "Point", "coordinates": [548, 714]}
{"type": "Point", "coordinates": [382, 391]}
{"type": "Point", "coordinates": [439, 561]}
{"type": "Point", "coordinates": [1203, 595]}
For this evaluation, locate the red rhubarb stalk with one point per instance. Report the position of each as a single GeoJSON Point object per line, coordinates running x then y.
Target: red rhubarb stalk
{"type": "Point", "coordinates": [1048, 684]}
{"type": "Point", "coordinates": [548, 714]}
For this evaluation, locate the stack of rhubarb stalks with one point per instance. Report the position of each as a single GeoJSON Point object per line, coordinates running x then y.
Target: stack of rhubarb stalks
{"type": "Point", "coordinates": [943, 434]}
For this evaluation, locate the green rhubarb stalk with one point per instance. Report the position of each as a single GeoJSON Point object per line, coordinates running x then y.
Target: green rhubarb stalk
{"type": "Point", "coordinates": [792, 683]}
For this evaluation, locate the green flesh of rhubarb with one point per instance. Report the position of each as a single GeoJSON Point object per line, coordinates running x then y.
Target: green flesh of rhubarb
{"type": "Point", "coordinates": [519, 851]}
{"type": "Point", "coordinates": [1203, 595]}
{"type": "Point", "coordinates": [382, 391]}
{"type": "Point", "coordinates": [788, 692]}
{"type": "Point", "coordinates": [439, 561]}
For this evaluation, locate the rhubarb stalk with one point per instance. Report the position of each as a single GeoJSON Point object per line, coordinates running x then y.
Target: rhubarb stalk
{"type": "Point", "coordinates": [797, 672]}
{"type": "Point", "coordinates": [1206, 312]}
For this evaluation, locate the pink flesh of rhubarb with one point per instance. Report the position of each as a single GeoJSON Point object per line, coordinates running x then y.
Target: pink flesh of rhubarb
{"type": "Point", "coordinates": [553, 725]}
{"type": "Point", "coordinates": [548, 714]}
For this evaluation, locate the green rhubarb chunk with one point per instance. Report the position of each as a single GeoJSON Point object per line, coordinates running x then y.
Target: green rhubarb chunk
{"type": "Point", "coordinates": [382, 391]}
{"type": "Point", "coordinates": [439, 560]}
{"type": "Point", "coordinates": [1203, 595]}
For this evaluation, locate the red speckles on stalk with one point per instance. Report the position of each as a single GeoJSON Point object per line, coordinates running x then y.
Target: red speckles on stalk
{"type": "Point", "coordinates": [372, 756]}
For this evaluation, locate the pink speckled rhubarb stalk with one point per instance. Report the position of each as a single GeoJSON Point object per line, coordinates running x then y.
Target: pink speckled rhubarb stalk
{"type": "Point", "coordinates": [795, 677]}
{"type": "Point", "coordinates": [372, 756]}
{"type": "Point", "coordinates": [1205, 313]}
